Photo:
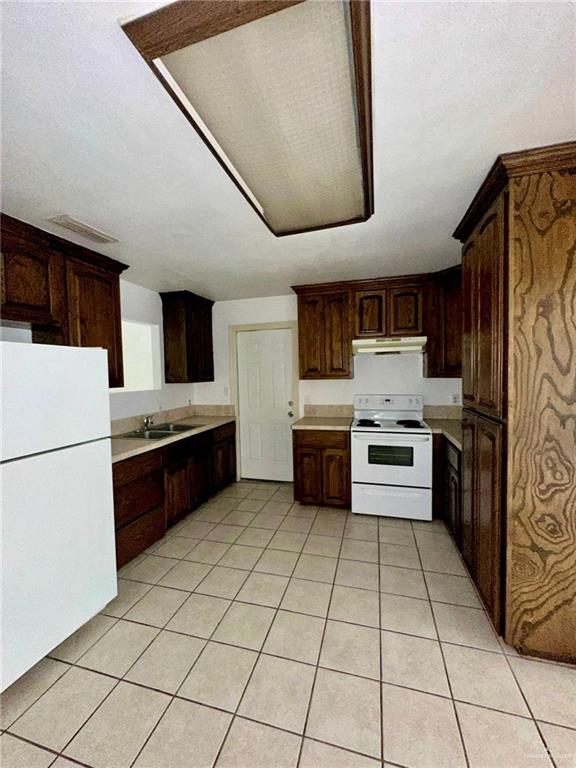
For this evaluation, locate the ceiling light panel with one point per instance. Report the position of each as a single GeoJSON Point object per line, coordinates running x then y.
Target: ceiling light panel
{"type": "Point", "coordinates": [278, 101]}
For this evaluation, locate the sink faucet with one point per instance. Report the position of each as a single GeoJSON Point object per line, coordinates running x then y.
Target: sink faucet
{"type": "Point", "coordinates": [148, 422]}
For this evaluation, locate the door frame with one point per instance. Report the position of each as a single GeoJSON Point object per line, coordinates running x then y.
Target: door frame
{"type": "Point", "coordinates": [233, 331]}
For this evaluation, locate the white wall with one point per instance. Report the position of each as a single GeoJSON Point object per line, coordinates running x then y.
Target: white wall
{"type": "Point", "coordinates": [145, 306]}
{"type": "Point", "coordinates": [395, 374]}
{"type": "Point", "coordinates": [239, 312]}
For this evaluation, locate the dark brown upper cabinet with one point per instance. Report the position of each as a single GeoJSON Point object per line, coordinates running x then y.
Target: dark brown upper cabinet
{"type": "Point", "coordinates": [32, 275]}
{"type": "Point", "coordinates": [331, 314]}
{"type": "Point", "coordinates": [94, 313]}
{"type": "Point", "coordinates": [188, 346]}
{"type": "Point", "coordinates": [405, 311]}
{"type": "Point", "coordinates": [483, 315]}
{"type": "Point", "coordinates": [443, 323]}
{"type": "Point", "coordinates": [324, 337]}
{"type": "Point", "coordinates": [68, 294]}
{"type": "Point", "coordinates": [370, 313]}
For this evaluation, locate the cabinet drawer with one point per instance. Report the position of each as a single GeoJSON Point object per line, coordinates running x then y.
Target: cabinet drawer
{"type": "Point", "coordinates": [134, 499]}
{"type": "Point", "coordinates": [223, 432]}
{"type": "Point", "coordinates": [139, 535]}
{"type": "Point", "coordinates": [130, 469]}
{"type": "Point", "coordinates": [453, 456]}
{"type": "Point", "coordinates": [311, 438]}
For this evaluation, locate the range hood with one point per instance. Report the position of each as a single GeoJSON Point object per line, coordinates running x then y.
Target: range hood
{"type": "Point", "coordinates": [389, 345]}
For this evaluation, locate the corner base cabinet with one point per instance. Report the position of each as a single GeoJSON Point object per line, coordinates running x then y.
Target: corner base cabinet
{"type": "Point", "coordinates": [322, 467]}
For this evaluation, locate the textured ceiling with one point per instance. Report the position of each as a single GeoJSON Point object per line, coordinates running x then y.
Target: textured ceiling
{"type": "Point", "coordinates": [88, 131]}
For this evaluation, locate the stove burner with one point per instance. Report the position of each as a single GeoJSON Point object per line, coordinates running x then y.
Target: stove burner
{"type": "Point", "coordinates": [367, 423]}
{"type": "Point", "coordinates": [410, 424]}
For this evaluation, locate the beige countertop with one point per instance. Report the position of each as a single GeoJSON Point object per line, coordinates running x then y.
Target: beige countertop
{"type": "Point", "coordinates": [127, 447]}
{"type": "Point", "coordinates": [324, 422]}
{"type": "Point", "coordinates": [450, 428]}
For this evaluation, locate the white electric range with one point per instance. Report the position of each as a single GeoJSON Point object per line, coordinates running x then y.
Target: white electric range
{"type": "Point", "coordinates": [391, 457]}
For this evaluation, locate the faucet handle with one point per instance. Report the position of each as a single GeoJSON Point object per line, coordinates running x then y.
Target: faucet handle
{"type": "Point", "coordinates": [148, 422]}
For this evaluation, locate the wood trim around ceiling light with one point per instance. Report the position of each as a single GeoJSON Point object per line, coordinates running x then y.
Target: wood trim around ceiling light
{"type": "Point", "coordinates": [186, 22]}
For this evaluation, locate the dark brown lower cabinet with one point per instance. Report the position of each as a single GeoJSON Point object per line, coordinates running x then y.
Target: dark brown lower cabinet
{"type": "Point", "coordinates": [139, 513]}
{"type": "Point", "coordinates": [482, 535]}
{"type": "Point", "coordinates": [452, 486]}
{"type": "Point", "coordinates": [322, 467]}
{"type": "Point", "coordinates": [468, 490]}
{"type": "Point", "coordinates": [158, 488]}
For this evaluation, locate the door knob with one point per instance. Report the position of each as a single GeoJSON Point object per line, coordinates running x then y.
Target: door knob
{"type": "Point", "coordinates": [291, 414]}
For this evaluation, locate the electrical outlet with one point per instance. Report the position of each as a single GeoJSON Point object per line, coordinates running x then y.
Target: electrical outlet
{"type": "Point", "coordinates": [455, 399]}
{"type": "Point", "coordinates": [226, 391]}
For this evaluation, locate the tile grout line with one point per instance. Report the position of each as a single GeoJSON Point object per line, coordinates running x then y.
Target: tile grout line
{"type": "Point", "coordinates": [258, 657]}
{"type": "Point", "coordinates": [174, 696]}
{"type": "Point", "coordinates": [320, 649]}
{"type": "Point", "coordinates": [454, 709]}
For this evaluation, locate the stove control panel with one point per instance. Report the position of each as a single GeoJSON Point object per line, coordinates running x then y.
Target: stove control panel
{"type": "Point", "coordinates": [388, 402]}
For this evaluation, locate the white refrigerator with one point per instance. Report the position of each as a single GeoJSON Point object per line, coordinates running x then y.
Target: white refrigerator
{"type": "Point", "coordinates": [57, 519]}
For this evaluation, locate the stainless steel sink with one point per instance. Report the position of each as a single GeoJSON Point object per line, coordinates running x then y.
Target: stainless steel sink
{"type": "Point", "coordinates": [175, 427]}
{"type": "Point", "coordinates": [160, 431]}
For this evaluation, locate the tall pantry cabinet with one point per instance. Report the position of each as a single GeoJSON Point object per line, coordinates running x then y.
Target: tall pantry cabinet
{"type": "Point", "coordinates": [518, 529]}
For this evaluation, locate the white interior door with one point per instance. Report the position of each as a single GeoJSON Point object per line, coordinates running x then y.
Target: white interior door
{"type": "Point", "coordinates": [266, 400]}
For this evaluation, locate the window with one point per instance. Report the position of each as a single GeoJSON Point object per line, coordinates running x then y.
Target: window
{"type": "Point", "coordinates": [141, 355]}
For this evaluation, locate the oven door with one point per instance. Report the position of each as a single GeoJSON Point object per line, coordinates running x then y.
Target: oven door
{"type": "Point", "coordinates": [392, 459]}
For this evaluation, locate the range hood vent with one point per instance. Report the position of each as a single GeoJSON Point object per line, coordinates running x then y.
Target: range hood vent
{"type": "Point", "coordinates": [389, 345]}
{"type": "Point", "coordinates": [74, 225]}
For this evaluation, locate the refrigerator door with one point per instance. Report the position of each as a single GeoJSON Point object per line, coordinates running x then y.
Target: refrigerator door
{"type": "Point", "coordinates": [58, 552]}
{"type": "Point", "coordinates": [52, 397]}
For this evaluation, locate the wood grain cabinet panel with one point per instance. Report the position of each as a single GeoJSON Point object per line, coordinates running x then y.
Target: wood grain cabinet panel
{"type": "Point", "coordinates": [469, 322]}
{"type": "Point", "coordinates": [188, 342]}
{"type": "Point", "coordinates": [311, 336]}
{"type": "Point", "coordinates": [337, 338]}
{"type": "Point", "coordinates": [324, 337]}
{"type": "Point", "coordinates": [370, 313]}
{"type": "Point", "coordinates": [487, 533]}
{"type": "Point", "coordinates": [178, 491]}
{"type": "Point", "coordinates": [405, 311]}
{"type": "Point", "coordinates": [443, 324]}
{"type": "Point", "coordinates": [308, 475]}
{"type": "Point", "coordinates": [468, 489]}
{"type": "Point", "coordinates": [94, 313]}
{"type": "Point", "coordinates": [489, 325]}
{"type": "Point", "coordinates": [322, 467]}
{"type": "Point", "coordinates": [335, 477]}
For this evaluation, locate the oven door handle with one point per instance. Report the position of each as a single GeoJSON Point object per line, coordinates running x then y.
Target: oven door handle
{"type": "Point", "coordinates": [391, 438]}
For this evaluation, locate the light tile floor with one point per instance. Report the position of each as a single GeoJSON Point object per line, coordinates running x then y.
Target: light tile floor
{"type": "Point", "coordinates": [260, 633]}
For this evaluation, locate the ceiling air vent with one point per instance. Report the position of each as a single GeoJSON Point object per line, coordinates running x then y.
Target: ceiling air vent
{"type": "Point", "coordinates": [68, 222]}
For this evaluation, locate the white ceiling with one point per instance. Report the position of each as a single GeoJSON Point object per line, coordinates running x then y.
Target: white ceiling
{"type": "Point", "coordinates": [88, 131]}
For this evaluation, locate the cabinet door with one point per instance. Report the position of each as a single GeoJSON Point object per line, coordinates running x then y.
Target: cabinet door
{"type": "Point", "coordinates": [335, 477]}
{"type": "Point", "coordinates": [453, 501]}
{"type": "Point", "coordinates": [469, 321]}
{"type": "Point", "coordinates": [488, 516]}
{"type": "Point", "coordinates": [405, 311]}
{"type": "Point", "coordinates": [489, 327]}
{"type": "Point", "coordinates": [199, 471]}
{"type": "Point", "coordinates": [308, 475]}
{"type": "Point", "coordinates": [219, 465]}
{"type": "Point", "coordinates": [311, 336]}
{"type": "Point", "coordinates": [231, 460]}
{"type": "Point", "coordinates": [370, 313]}
{"type": "Point", "coordinates": [199, 344]}
{"type": "Point", "coordinates": [468, 489]}
{"type": "Point", "coordinates": [177, 489]}
{"type": "Point", "coordinates": [94, 313]}
{"type": "Point", "coordinates": [337, 340]}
